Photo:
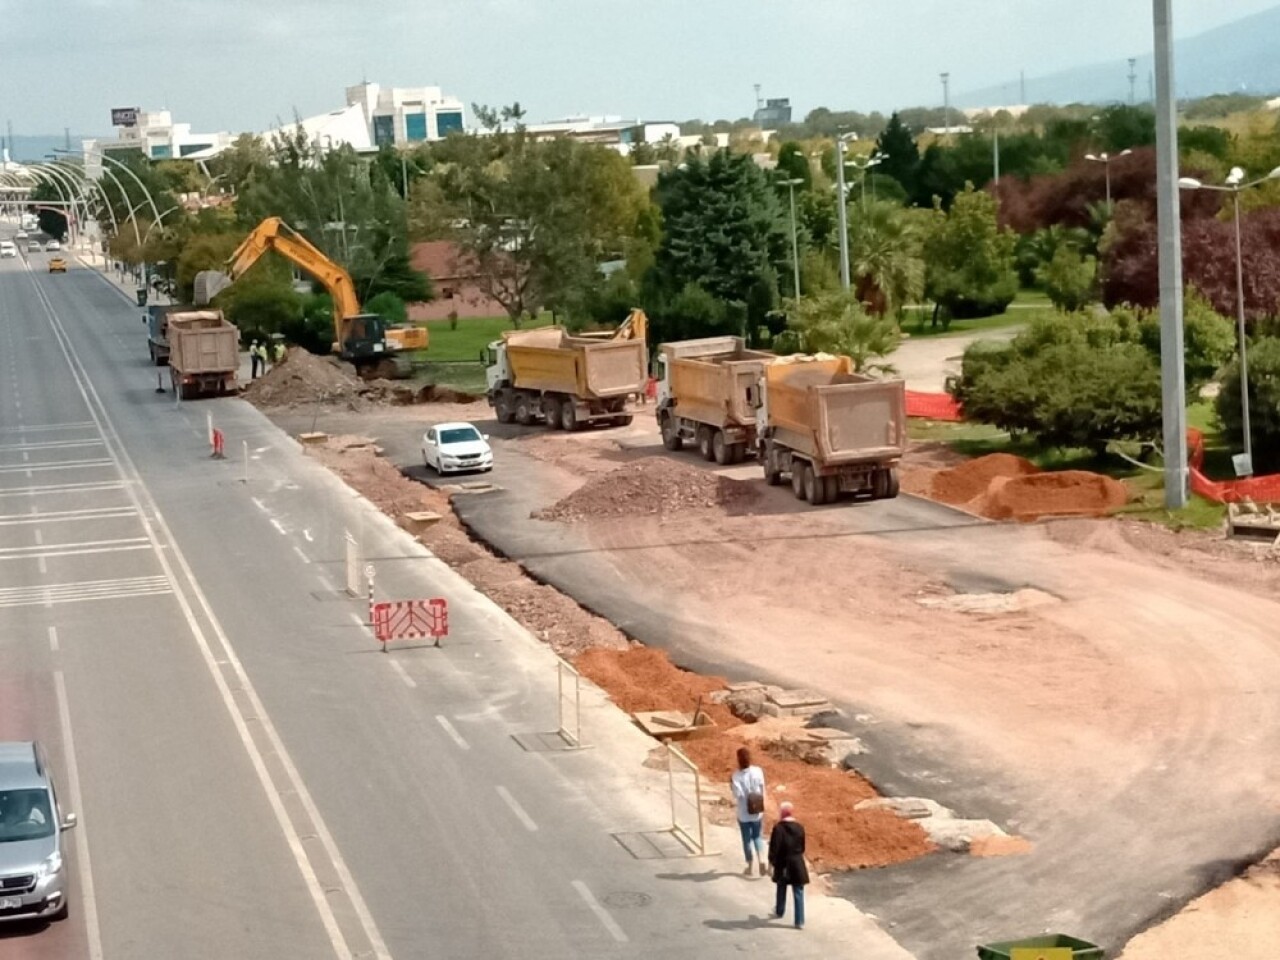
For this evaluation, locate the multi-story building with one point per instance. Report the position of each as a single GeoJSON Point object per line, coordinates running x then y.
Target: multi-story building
{"type": "Point", "coordinates": [774, 113]}
{"type": "Point", "coordinates": [614, 132]}
{"type": "Point", "coordinates": [376, 116]}
{"type": "Point", "coordinates": [157, 137]}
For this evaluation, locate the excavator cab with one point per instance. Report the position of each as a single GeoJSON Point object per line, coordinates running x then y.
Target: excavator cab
{"type": "Point", "coordinates": [363, 335]}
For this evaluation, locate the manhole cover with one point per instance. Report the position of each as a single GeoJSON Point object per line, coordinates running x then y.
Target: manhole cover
{"type": "Point", "coordinates": [627, 899]}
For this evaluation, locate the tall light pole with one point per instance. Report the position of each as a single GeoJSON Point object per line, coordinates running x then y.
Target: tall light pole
{"type": "Point", "coordinates": [1106, 160]}
{"type": "Point", "coordinates": [946, 101]}
{"type": "Point", "coordinates": [1133, 81]}
{"type": "Point", "coordinates": [862, 167]}
{"type": "Point", "coordinates": [1173, 377]}
{"type": "Point", "coordinates": [1234, 186]}
{"type": "Point", "coordinates": [795, 241]}
{"type": "Point", "coordinates": [843, 214]}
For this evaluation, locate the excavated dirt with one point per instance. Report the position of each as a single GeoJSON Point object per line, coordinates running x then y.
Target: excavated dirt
{"type": "Point", "coordinates": [1001, 486]}
{"type": "Point", "coordinates": [651, 485]}
{"type": "Point", "coordinates": [839, 836]}
{"type": "Point", "coordinates": [303, 378]}
{"type": "Point", "coordinates": [963, 483]}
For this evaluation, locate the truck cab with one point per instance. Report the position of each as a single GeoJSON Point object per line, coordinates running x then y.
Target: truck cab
{"type": "Point", "coordinates": [497, 371]}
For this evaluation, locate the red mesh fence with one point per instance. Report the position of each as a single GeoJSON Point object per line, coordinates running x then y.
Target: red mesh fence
{"type": "Point", "coordinates": [1258, 489]}
{"type": "Point", "coordinates": [933, 406]}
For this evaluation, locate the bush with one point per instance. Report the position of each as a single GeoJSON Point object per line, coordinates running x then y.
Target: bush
{"type": "Point", "coordinates": [1069, 278]}
{"type": "Point", "coordinates": [969, 260]}
{"type": "Point", "coordinates": [389, 307]}
{"type": "Point", "coordinates": [838, 323]}
{"type": "Point", "coordinates": [1264, 403]}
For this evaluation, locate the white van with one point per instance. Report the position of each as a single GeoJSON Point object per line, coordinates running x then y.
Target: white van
{"type": "Point", "coordinates": [7, 249]}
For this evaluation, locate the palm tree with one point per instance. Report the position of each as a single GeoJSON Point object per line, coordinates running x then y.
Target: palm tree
{"type": "Point", "coordinates": [884, 257]}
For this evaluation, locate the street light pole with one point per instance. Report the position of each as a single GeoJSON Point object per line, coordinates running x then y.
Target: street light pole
{"type": "Point", "coordinates": [843, 215]}
{"type": "Point", "coordinates": [1106, 160]}
{"type": "Point", "coordinates": [795, 241]}
{"type": "Point", "coordinates": [946, 102]}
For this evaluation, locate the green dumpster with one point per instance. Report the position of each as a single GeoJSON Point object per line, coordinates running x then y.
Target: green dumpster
{"type": "Point", "coordinates": [1056, 946]}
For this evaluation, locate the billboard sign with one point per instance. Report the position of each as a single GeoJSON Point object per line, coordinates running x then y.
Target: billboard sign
{"type": "Point", "coordinates": [124, 117]}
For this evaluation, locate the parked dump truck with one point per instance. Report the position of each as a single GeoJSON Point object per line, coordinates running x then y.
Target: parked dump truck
{"type": "Point", "coordinates": [568, 381]}
{"type": "Point", "coordinates": [204, 353]}
{"type": "Point", "coordinates": [156, 317]}
{"type": "Point", "coordinates": [831, 430]}
{"type": "Point", "coordinates": [708, 393]}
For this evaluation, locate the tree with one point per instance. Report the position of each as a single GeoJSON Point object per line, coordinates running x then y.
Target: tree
{"type": "Point", "coordinates": [969, 264]}
{"type": "Point", "coordinates": [202, 252]}
{"type": "Point", "coordinates": [884, 257]}
{"type": "Point", "coordinates": [793, 164]}
{"type": "Point", "coordinates": [1264, 403]}
{"type": "Point", "coordinates": [723, 228]}
{"type": "Point", "coordinates": [838, 323]}
{"type": "Point", "coordinates": [1121, 127]}
{"type": "Point", "coordinates": [1069, 278]}
{"type": "Point", "coordinates": [52, 221]}
{"type": "Point", "coordinates": [897, 144]}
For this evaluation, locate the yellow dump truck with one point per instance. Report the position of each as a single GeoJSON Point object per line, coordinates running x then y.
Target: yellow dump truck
{"type": "Point", "coordinates": [708, 393]}
{"type": "Point", "coordinates": [831, 430]}
{"type": "Point", "coordinates": [566, 380]}
{"type": "Point", "coordinates": [204, 353]}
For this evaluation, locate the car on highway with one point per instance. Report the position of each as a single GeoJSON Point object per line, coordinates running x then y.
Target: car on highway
{"type": "Point", "coordinates": [33, 881]}
{"type": "Point", "coordinates": [7, 249]}
{"type": "Point", "coordinates": [57, 265]}
{"type": "Point", "coordinates": [33, 246]}
{"type": "Point", "coordinates": [53, 245]}
{"type": "Point", "coordinates": [20, 235]}
{"type": "Point", "coordinates": [456, 447]}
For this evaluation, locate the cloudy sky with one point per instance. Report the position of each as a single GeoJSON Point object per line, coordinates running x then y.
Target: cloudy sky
{"type": "Point", "coordinates": [243, 64]}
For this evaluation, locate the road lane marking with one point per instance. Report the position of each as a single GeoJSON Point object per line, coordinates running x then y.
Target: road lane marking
{"type": "Point", "coordinates": [398, 667]}
{"type": "Point", "coordinates": [53, 465]}
{"type": "Point", "coordinates": [83, 544]}
{"type": "Point", "coordinates": [61, 488]}
{"type": "Point", "coordinates": [454, 735]}
{"type": "Point", "coordinates": [298, 550]}
{"type": "Point", "coordinates": [62, 516]}
{"type": "Point", "coordinates": [88, 905]}
{"type": "Point", "coordinates": [50, 445]}
{"type": "Point", "coordinates": [518, 810]}
{"type": "Point", "coordinates": [601, 913]}
{"type": "Point", "coordinates": [77, 592]}
{"type": "Point", "coordinates": [41, 565]}
{"type": "Point", "coordinates": [359, 620]}
{"type": "Point", "coordinates": [279, 527]}
{"type": "Point", "coordinates": [53, 639]}
{"type": "Point", "coordinates": [317, 828]}
{"type": "Point", "coordinates": [81, 550]}
{"type": "Point", "coordinates": [37, 428]}
{"type": "Point", "coordinates": [259, 504]}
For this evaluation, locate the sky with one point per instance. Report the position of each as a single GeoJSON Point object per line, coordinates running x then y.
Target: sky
{"type": "Point", "coordinates": [246, 64]}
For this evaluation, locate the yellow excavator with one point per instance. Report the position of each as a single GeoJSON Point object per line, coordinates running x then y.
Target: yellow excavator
{"type": "Point", "coordinates": [361, 339]}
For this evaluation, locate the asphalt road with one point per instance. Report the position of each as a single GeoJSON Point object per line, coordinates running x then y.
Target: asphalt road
{"type": "Point", "coordinates": [254, 779]}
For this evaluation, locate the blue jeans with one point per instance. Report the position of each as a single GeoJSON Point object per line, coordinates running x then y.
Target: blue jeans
{"type": "Point", "coordinates": [751, 838]}
{"type": "Point", "coordinates": [797, 892]}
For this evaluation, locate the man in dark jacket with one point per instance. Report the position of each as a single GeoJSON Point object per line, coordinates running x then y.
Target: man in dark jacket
{"type": "Point", "coordinates": [786, 857]}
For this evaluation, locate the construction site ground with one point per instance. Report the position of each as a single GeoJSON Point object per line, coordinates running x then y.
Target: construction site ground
{"type": "Point", "coordinates": [1105, 689]}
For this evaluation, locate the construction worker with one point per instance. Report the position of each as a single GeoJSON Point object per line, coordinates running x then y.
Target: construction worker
{"type": "Point", "coordinates": [255, 359]}
{"type": "Point", "coordinates": [280, 349]}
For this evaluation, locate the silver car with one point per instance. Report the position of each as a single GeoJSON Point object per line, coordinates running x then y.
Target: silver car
{"type": "Point", "coordinates": [33, 879]}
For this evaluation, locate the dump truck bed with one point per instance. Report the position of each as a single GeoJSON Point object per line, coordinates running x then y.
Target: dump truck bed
{"type": "Point", "coordinates": [203, 342]}
{"type": "Point", "coordinates": [550, 360]}
{"type": "Point", "coordinates": [820, 408]}
{"type": "Point", "coordinates": [715, 380]}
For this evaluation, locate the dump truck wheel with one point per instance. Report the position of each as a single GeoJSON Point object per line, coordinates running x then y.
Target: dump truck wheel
{"type": "Point", "coordinates": [815, 487]}
{"type": "Point", "coordinates": [624, 420]}
{"type": "Point", "coordinates": [568, 416]}
{"type": "Point", "coordinates": [720, 450]}
{"type": "Point", "coordinates": [772, 472]}
{"type": "Point", "coordinates": [523, 415]}
{"type": "Point", "coordinates": [502, 409]}
{"type": "Point", "coordinates": [798, 471]}
{"type": "Point", "coordinates": [831, 493]}
{"type": "Point", "coordinates": [737, 452]}
{"type": "Point", "coordinates": [671, 438]}
{"type": "Point", "coordinates": [704, 444]}
{"type": "Point", "coordinates": [551, 410]}
{"type": "Point", "coordinates": [893, 484]}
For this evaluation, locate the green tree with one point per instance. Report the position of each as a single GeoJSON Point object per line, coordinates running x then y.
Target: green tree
{"type": "Point", "coordinates": [793, 164]}
{"type": "Point", "coordinates": [838, 323]}
{"type": "Point", "coordinates": [202, 252]}
{"type": "Point", "coordinates": [1120, 127]}
{"type": "Point", "coordinates": [969, 259]}
{"type": "Point", "coordinates": [389, 307]}
{"type": "Point", "coordinates": [1069, 279]}
{"type": "Point", "coordinates": [52, 221]}
{"type": "Point", "coordinates": [885, 257]}
{"type": "Point", "coordinates": [1264, 403]}
{"type": "Point", "coordinates": [897, 144]}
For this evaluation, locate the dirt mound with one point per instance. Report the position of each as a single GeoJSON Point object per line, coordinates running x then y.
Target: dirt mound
{"type": "Point", "coordinates": [652, 485]}
{"type": "Point", "coordinates": [1068, 493]}
{"type": "Point", "coordinates": [960, 484]}
{"type": "Point", "coordinates": [304, 378]}
{"type": "Point", "coordinates": [643, 678]}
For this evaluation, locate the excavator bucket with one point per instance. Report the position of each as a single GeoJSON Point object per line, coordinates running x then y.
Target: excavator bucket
{"type": "Point", "coordinates": [208, 284]}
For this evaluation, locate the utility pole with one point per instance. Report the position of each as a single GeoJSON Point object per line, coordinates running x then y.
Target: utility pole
{"type": "Point", "coordinates": [1133, 80]}
{"type": "Point", "coordinates": [843, 214]}
{"type": "Point", "coordinates": [1022, 88]}
{"type": "Point", "coordinates": [66, 134]}
{"type": "Point", "coordinates": [1172, 370]}
{"type": "Point", "coordinates": [946, 99]}
{"type": "Point", "coordinates": [995, 153]}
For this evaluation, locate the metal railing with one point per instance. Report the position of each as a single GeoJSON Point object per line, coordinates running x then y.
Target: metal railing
{"type": "Point", "coordinates": [568, 703]}
{"type": "Point", "coordinates": [353, 564]}
{"type": "Point", "coordinates": [686, 801]}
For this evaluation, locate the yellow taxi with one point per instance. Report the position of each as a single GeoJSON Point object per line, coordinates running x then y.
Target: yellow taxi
{"type": "Point", "coordinates": [57, 265]}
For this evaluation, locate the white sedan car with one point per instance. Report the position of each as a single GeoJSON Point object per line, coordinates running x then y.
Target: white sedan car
{"type": "Point", "coordinates": [455, 447]}
{"type": "Point", "coordinates": [53, 245]}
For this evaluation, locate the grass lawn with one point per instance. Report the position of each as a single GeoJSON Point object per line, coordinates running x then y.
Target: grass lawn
{"type": "Point", "coordinates": [918, 326]}
{"type": "Point", "coordinates": [457, 375]}
{"type": "Point", "coordinates": [472, 335]}
{"type": "Point", "coordinates": [1146, 485]}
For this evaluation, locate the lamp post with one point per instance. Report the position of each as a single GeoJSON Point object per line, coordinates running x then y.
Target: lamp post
{"type": "Point", "coordinates": [843, 214]}
{"type": "Point", "coordinates": [1234, 185]}
{"type": "Point", "coordinates": [90, 183]}
{"type": "Point", "coordinates": [946, 102]}
{"type": "Point", "coordinates": [795, 242]}
{"type": "Point", "coordinates": [1106, 161]}
{"type": "Point", "coordinates": [862, 167]}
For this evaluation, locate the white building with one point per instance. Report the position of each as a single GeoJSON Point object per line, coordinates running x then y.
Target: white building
{"type": "Point", "coordinates": [157, 137]}
{"type": "Point", "coordinates": [375, 116]}
{"type": "Point", "coordinates": [613, 132]}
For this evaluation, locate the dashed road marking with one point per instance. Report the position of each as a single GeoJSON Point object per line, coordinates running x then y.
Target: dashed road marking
{"type": "Point", "coordinates": [518, 810]}
{"type": "Point", "coordinates": [454, 735]}
{"type": "Point", "coordinates": [398, 667]}
{"type": "Point", "coordinates": [601, 913]}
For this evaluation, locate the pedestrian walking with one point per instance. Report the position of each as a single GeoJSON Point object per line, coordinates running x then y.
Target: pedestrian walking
{"type": "Point", "coordinates": [747, 784]}
{"type": "Point", "coordinates": [786, 856]}
{"type": "Point", "coordinates": [280, 349]}
{"type": "Point", "coordinates": [255, 361]}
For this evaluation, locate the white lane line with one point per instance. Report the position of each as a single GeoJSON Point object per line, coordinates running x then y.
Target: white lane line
{"type": "Point", "coordinates": [259, 504]}
{"type": "Point", "coordinates": [398, 667]}
{"type": "Point", "coordinates": [359, 620]}
{"type": "Point", "coordinates": [65, 465]}
{"type": "Point", "coordinates": [61, 488]}
{"type": "Point", "coordinates": [39, 536]}
{"type": "Point", "coordinates": [279, 527]}
{"type": "Point", "coordinates": [79, 545]}
{"type": "Point", "coordinates": [88, 903]}
{"type": "Point", "coordinates": [518, 810]}
{"type": "Point", "coordinates": [601, 913]}
{"type": "Point", "coordinates": [62, 516]}
{"type": "Point", "coordinates": [307, 534]}
{"type": "Point", "coordinates": [454, 735]}
{"type": "Point", "coordinates": [26, 457]}
{"type": "Point", "coordinates": [50, 445]}
{"type": "Point", "coordinates": [53, 639]}
{"type": "Point", "coordinates": [298, 550]}
{"type": "Point", "coordinates": [139, 494]}
{"type": "Point", "coordinates": [83, 425]}
{"type": "Point", "coordinates": [41, 565]}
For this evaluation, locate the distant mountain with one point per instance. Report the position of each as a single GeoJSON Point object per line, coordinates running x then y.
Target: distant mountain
{"type": "Point", "coordinates": [26, 149]}
{"type": "Point", "coordinates": [1240, 57]}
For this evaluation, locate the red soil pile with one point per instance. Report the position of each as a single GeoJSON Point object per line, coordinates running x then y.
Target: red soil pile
{"type": "Point", "coordinates": [1068, 493]}
{"type": "Point", "coordinates": [840, 838]}
{"type": "Point", "coordinates": [960, 484]}
{"type": "Point", "coordinates": [652, 485]}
